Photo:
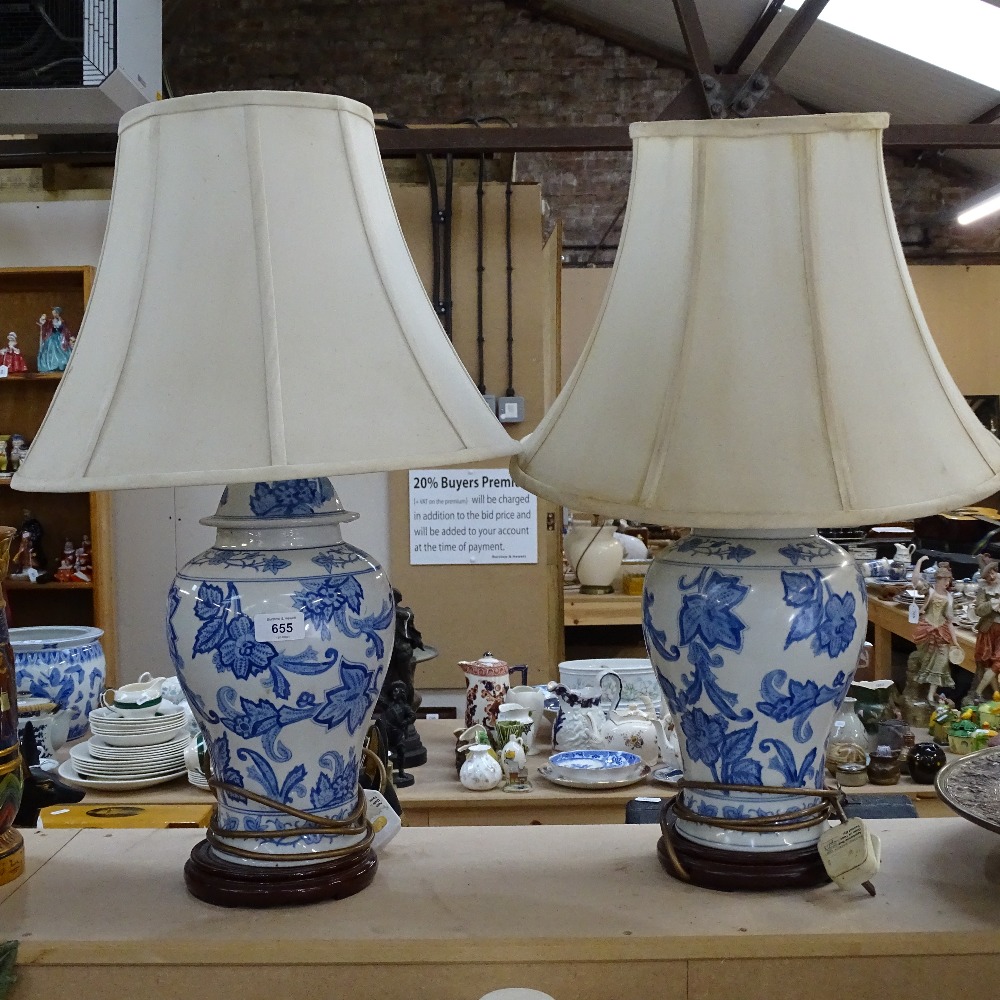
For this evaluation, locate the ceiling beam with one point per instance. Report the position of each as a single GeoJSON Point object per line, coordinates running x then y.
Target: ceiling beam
{"type": "Point", "coordinates": [753, 36]}
{"type": "Point", "coordinates": [469, 141]}
{"type": "Point", "coordinates": [707, 90]}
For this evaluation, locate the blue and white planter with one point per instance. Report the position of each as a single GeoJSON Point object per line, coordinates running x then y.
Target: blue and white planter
{"type": "Point", "coordinates": [64, 664]}
{"type": "Point", "coordinates": [755, 638]}
{"type": "Point", "coordinates": [283, 717]}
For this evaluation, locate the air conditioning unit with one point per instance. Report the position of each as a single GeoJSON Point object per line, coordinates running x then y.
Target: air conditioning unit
{"type": "Point", "coordinates": [76, 65]}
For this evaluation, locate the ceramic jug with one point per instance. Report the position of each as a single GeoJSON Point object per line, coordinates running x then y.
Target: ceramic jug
{"type": "Point", "coordinates": [633, 728]}
{"type": "Point", "coordinates": [140, 700]}
{"type": "Point", "coordinates": [904, 553]}
{"type": "Point", "coordinates": [487, 681]}
{"type": "Point", "coordinates": [573, 727]}
{"type": "Point", "coordinates": [532, 699]}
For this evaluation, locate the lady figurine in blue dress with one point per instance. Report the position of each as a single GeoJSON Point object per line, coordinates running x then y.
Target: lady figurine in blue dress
{"type": "Point", "coordinates": [54, 342]}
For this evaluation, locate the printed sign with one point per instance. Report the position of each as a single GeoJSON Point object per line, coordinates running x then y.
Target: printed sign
{"type": "Point", "coordinates": [462, 516]}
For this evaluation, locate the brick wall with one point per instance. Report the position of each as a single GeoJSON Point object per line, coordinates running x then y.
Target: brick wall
{"type": "Point", "coordinates": [443, 60]}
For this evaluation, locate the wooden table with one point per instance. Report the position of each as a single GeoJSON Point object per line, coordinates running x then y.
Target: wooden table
{"type": "Point", "coordinates": [437, 798]}
{"type": "Point", "coordinates": [581, 913]}
{"type": "Point", "coordinates": [888, 619]}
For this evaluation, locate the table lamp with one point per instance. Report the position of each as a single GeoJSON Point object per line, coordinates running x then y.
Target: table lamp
{"type": "Point", "coordinates": [760, 367]}
{"type": "Point", "coordinates": [256, 320]}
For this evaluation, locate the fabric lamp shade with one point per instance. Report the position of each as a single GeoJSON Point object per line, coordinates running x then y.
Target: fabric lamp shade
{"type": "Point", "coordinates": [256, 314]}
{"type": "Point", "coordinates": [760, 359]}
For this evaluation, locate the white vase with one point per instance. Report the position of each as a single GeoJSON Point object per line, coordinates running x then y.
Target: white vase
{"type": "Point", "coordinates": [755, 638]}
{"type": "Point", "coordinates": [598, 557]}
{"type": "Point", "coordinates": [848, 728]}
{"type": "Point", "coordinates": [280, 634]}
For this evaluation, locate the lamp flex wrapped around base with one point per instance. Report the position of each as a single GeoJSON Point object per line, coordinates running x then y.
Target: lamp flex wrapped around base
{"type": "Point", "coordinates": [280, 634]}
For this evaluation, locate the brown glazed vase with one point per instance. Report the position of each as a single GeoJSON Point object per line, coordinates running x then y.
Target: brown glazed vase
{"type": "Point", "coordinates": [11, 776]}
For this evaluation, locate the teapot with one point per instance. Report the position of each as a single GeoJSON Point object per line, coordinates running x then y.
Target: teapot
{"type": "Point", "coordinates": [633, 728]}
{"type": "Point", "coordinates": [573, 727]}
{"type": "Point", "coordinates": [487, 681]}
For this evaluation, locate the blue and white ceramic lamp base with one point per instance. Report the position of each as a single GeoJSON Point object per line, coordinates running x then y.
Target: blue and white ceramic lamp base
{"type": "Point", "coordinates": [755, 638]}
{"type": "Point", "coordinates": [280, 634]}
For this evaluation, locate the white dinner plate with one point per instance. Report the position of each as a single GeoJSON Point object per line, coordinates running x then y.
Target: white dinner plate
{"type": "Point", "coordinates": [97, 747]}
{"type": "Point", "coordinates": [67, 771]}
{"type": "Point", "coordinates": [141, 739]}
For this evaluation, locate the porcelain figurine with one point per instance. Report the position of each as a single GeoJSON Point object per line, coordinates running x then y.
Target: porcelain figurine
{"type": "Point", "coordinates": [4, 450]}
{"type": "Point", "coordinates": [513, 756]}
{"type": "Point", "coordinates": [481, 771]}
{"type": "Point", "coordinates": [18, 450]}
{"type": "Point", "coordinates": [12, 357]}
{"type": "Point", "coordinates": [55, 342]}
{"type": "Point", "coordinates": [934, 634]}
{"type": "Point", "coordinates": [987, 610]}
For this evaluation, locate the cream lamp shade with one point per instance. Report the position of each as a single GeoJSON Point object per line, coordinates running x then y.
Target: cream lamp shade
{"type": "Point", "coordinates": [256, 314]}
{"type": "Point", "coordinates": [760, 359]}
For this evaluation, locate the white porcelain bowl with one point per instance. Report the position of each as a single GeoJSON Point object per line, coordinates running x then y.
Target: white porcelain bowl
{"type": "Point", "coordinates": [637, 676]}
{"type": "Point", "coordinates": [595, 765]}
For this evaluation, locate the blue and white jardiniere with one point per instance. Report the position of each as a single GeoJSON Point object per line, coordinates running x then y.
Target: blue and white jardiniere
{"type": "Point", "coordinates": [64, 664]}
{"type": "Point", "coordinates": [280, 634]}
{"type": "Point", "coordinates": [755, 637]}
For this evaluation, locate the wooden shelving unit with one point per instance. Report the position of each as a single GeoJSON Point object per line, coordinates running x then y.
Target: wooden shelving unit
{"type": "Point", "coordinates": [26, 293]}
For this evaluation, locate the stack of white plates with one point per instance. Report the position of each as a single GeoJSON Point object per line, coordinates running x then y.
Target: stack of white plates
{"type": "Point", "coordinates": [124, 754]}
{"type": "Point", "coordinates": [160, 728]}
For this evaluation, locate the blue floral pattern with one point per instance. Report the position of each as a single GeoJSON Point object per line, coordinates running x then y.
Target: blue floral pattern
{"type": "Point", "coordinates": [287, 713]}
{"type": "Point", "coordinates": [800, 701]}
{"type": "Point", "coordinates": [290, 497]}
{"type": "Point", "coordinates": [714, 548]}
{"type": "Point", "coordinates": [263, 562]}
{"type": "Point", "coordinates": [820, 613]}
{"type": "Point", "coordinates": [805, 551]}
{"type": "Point", "coordinates": [700, 605]}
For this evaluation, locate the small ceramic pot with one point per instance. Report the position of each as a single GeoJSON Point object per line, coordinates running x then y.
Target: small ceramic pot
{"type": "Point", "coordinates": [924, 761]}
{"type": "Point", "coordinates": [852, 775]}
{"type": "Point", "coordinates": [481, 771]}
{"type": "Point", "coordinates": [883, 767]}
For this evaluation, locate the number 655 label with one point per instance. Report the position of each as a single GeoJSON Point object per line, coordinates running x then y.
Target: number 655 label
{"type": "Point", "coordinates": [282, 627]}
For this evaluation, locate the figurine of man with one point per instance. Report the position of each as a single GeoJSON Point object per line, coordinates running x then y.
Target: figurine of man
{"type": "Point", "coordinates": [987, 608]}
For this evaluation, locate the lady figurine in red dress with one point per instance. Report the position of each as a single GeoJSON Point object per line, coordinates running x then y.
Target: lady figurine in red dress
{"type": "Point", "coordinates": [12, 357]}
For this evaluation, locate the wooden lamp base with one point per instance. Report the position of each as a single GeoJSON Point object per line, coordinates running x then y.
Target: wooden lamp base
{"type": "Point", "coordinates": [214, 880]}
{"type": "Point", "coordinates": [736, 871]}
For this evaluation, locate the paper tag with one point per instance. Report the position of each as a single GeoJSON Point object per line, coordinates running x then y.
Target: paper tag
{"type": "Point", "coordinates": [383, 818]}
{"type": "Point", "coordinates": [284, 627]}
{"type": "Point", "coordinates": [31, 573]}
{"type": "Point", "coordinates": [3, 371]}
{"type": "Point", "coordinates": [850, 853]}
{"type": "Point", "coordinates": [913, 613]}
